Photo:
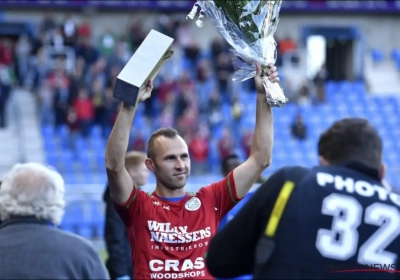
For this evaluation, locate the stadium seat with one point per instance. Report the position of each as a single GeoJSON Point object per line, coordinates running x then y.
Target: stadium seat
{"type": "Point", "coordinates": [377, 55]}
{"type": "Point", "coordinates": [396, 55]}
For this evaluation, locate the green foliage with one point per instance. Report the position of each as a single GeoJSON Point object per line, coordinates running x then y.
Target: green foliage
{"type": "Point", "coordinates": [235, 11]}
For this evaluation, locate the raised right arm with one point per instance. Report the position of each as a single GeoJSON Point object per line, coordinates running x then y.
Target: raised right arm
{"type": "Point", "coordinates": [119, 180]}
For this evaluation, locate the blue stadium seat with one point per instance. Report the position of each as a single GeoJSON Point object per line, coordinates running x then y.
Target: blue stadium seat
{"type": "Point", "coordinates": [48, 132]}
{"type": "Point", "coordinates": [396, 54]}
{"type": "Point", "coordinates": [62, 131]}
{"type": "Point", "coordinates": [70, 178]}
{"type": "Point", "coordinates": [51, 159]}
{"type": "Point", "coordinates": [97, 131]}
{"type": "Point", "coordinates": [377, 55]}
{"type": "Point", "coordinates": [344, 99]}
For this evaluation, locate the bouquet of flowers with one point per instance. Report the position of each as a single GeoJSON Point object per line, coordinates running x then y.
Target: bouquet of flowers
{"type": "Point", "coordinates": [248, 27]}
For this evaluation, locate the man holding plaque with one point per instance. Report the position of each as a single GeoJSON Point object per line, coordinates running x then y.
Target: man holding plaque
{"type": "Point", "coordinates": [170, 229]}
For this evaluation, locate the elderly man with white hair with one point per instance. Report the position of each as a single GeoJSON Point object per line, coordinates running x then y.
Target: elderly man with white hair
{"type": "Point", "coordinates": [31, 247]}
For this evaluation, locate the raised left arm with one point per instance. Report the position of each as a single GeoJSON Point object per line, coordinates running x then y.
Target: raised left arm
{"type": "Point", "coordinates": [261, 149]}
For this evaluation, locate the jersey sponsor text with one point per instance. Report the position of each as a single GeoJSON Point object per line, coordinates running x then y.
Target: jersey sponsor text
{"type": "Point", "coordinates": [164, 232]}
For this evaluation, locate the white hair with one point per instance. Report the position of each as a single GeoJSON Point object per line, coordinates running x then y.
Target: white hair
{"type": "Point", "coordinates": [31, 189]}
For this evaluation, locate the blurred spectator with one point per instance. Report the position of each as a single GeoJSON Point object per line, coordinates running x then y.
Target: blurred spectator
{"type": "Point", "coordinates": [299, 129]}
{"type": "Point", "coordinates": [60, 83]}
{"type": "Point", "coordinates": [187, 41]}
{"type": "Point", "coordinates": [98, 97]}
{"type": "Point", "coordinates": [31, 246]}
{"type": "Point", "coordinates": [87, 51]}
{"type": "Point", "coordinates": [111, 105]}
{"type": "Point", "coordinates": [247, 140]}
{"type": "Point", "coordinates": [319, 82]}
{"type": "Point", "coordinates": [199, 149]}
{"type": "Point", "coordinates": [225, 144]}
{"type": "Point", "coordinates": [286, 45]}
{"type": "Point", "coordinates": [166, 89]}
{"type": "Point", "coordinates": [189, 120]}
{"type": "Point", "coordinates": [69, 31]}
{"type": "Point", "coordinates": [6, 52]}
{"type": "Point", "coordinates": [205, 84]}
{"type": "Point", "coordinates": [38, 71]}
{"type": "Point", "coordinates": [84, 107]}
{"type": "Point", "coordinates": [167, 117]}
{"type": "Point", "coordinates": [224, 71]}
{"type": "Point", "coordinates": [77, 78]}
{"type": "Point", "coordinates": [5, 90]}
{"type": "Point", "coordinates": [236, 109]}
{"type": "Point", "coordinates": [107, 42]}
{"type": "Point", "coordinates": [46, 103]}
{"type": "Point", "coordinates": [287, 88]}
{"type": "Point", "coordinates": [84, 30]}
{"type": "Point", "coordinates": [22, 51]}
{"type": "Point", "coordinates": [57, 38]}
{"type": "Point", "coordinates": [135, 34]}
{"type": "Point", "coordinates": [38, 43]}
{"type": "Point", "coordinates": [214, 109]}
{"type": "Point", "coordinates": [73, 127]}
{"type": "Point", "coordinates": [48, 23]}
{"type": "Point", "coordinates": [303, 97]}
{"type": "Point", "coordinates": [166, 25]}
{"type": "Point", "coordinates": [138, 143]}
{"type": "Point", "coordinates": [218, 46]}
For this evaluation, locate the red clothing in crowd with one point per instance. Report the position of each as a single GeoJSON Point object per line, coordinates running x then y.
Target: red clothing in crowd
{"type": "Point", "coordinates": [84, 109]}
{"type": "Point", "coordinates": [199, 149]}
{"type": "Point", "coordinates": [225, 147]}
{"type": "Point", "coordinates": [246, 143]}
{"type": "Point", "coordinates": [6, 55]}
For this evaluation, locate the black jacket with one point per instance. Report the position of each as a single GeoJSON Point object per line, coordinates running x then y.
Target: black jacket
{"type": "Point", "coordinates": [333, 215]}
{"type": "Point", "coordinates": [119, 262]}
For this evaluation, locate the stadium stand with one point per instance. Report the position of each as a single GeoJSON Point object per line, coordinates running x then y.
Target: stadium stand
{"type": "Point", "coordinates": [76, 111]}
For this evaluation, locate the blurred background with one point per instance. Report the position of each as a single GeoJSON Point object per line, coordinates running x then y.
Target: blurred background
{"type": "Point", "coordinates": [59, 60]}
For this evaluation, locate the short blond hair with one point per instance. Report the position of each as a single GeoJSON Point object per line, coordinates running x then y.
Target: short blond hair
{"type": "Point", "coordinates": [134, 159]}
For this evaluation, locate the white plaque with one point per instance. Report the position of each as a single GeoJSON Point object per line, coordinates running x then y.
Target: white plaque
{"type": "Point", "coordinates": [144, 65]}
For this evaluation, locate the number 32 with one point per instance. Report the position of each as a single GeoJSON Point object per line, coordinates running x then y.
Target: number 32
{"type": "Point", "coordinates": [341, 241]}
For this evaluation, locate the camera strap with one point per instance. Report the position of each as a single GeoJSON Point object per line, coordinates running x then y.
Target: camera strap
{"type": "Point", "coordinates": [266, 244]}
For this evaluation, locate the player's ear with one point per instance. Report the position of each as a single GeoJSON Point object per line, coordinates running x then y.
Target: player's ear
{"type": "Point", "coordinates": [382, 171]}
{"type": "Point", "coordinates": [149, 164]}
{"type": "Point", "coordinates": [323, 161]}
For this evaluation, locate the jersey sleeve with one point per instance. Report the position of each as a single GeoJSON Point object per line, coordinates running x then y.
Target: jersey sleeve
{"type": "Point", "coordinates": [132, 207]}
{"type": "Point", "coordinates": [224, 194]}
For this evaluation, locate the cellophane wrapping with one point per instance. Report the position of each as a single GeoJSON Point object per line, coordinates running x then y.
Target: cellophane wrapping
{"type": "Point", "coordinates": [248, 27]}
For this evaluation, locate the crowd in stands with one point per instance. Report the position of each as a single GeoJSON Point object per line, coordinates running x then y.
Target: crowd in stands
{"type": "Point", "coordinates": [74, 84]}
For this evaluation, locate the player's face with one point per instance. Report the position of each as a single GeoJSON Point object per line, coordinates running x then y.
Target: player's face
{"type": "Point", "coordinates": [172, 162]}
{"type": "Point", "coordinates": [140, 175]}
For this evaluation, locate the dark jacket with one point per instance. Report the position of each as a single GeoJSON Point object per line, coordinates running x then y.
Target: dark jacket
{"type": "Point", "coordinates": [119, 262]}
{"type": "Point", "coordinates": [31, 249]}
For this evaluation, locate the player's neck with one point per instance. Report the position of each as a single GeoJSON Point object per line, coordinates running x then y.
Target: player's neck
{"type": "Point", "coordinates": [162, 191]}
